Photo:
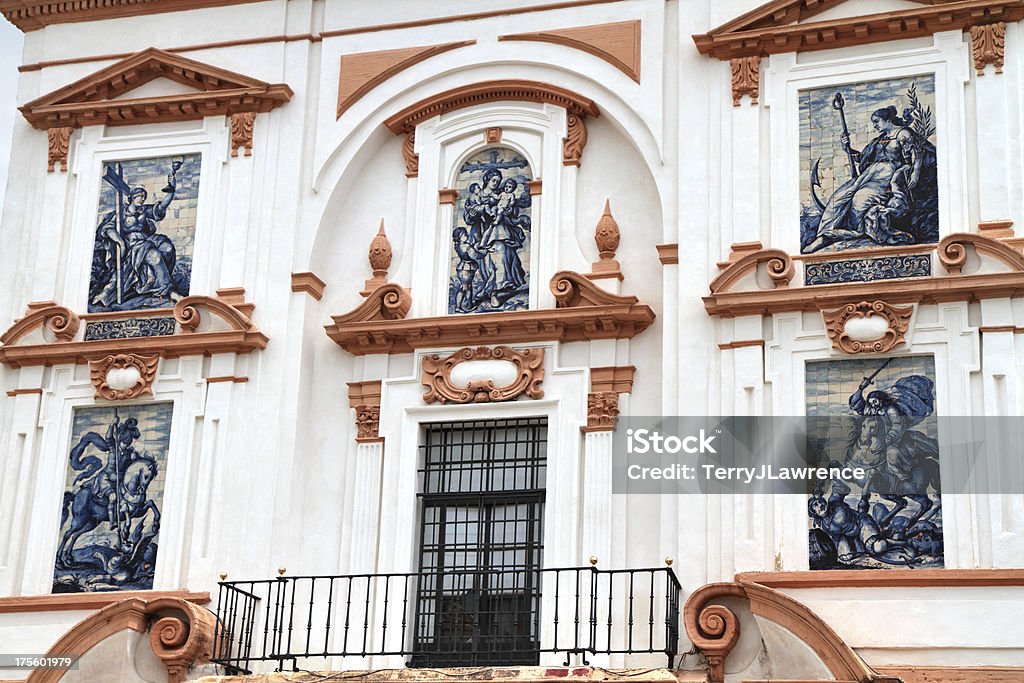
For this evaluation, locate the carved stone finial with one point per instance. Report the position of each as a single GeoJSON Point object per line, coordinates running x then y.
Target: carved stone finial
{"type": "Point", "coordinates": [575, 140]}
{"type": "Point", "coordinates": [746, 78]}
{"type": "Point", "coordinates": [988, 42]}
{"type": "Point", "coordinates": [58, 141]}
{"type": "Point", "coordinates": [412, 160]}
{"type": "Point", "coordinates": [606, 235]}
{"type": "Point", "coordinates": [241, 132]}
{"type": "Point", "coordinates": [380, 261]}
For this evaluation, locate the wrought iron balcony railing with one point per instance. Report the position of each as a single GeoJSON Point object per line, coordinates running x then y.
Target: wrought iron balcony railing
{"type": "Point", "coordinates": [459, 618]}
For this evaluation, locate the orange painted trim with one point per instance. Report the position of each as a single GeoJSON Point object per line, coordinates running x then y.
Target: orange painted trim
{"type": "Point", "coordinates": [283, 38]}
{"type": "Point", "coordinates": [668, 254]}
{"type": "Point", "coordinates": [617, 379]}
{"type": "Point", "coordinates": [447, 195]}
{"type": "Point", "coordinates": [565, 38]}
{"type": "Point", "coordinates": [891, 578]}
{"type": "Point", "coordinates": [536, 186]}
{"type": "Point", "coordinates": [998, 229]}
{"type": "Point", "coordinates": [725, 346]}
{"type": "Point", "coordinates": [768, 29]}
{"type": "Point", "coordinates": [309, 283]}
{"type": "Point", "coordinates": [226, 378]}
{"type": "Point", "coordinates": [364, 393]}
{"type": "Point", "coordinates": [955, 674]}
{"type": "Point", "coordinates": [23, 392]}
{"type": "Point", "coordinates": [511, 11]}
{"type": "Point", "coordinates": [490, 91]}
{"type": "Point", "coordinates": [1000, 328]}
{"type": "Point", "coordinates": [347, 99]}
{"type": "Point", "coordinates": [31, 15]}
{"type": "Point", "coordinates": [63, 602]}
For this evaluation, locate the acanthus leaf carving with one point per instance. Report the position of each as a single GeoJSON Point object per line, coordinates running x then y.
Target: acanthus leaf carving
{"type": "Point", "coordinates": [367, 423]}
{"type": "Point", "coordinates": [412, 159]}
{"type": "Point", "coordinates": [437, 376]}
{"type": "Point", "coordinates": [241, 132]}
{"type": "Point", "coordinates": [58, 141]}
{"type": "Point", "coordinates": [896, 317]}
{"type": "Point", "coordinates": [746, 78]}
{"type": "Point", "coordinates": [575, 140]}
{"type": "Point", "coordinates": [145, 366]}
{"type": "Point", "coordinates": [602, 411]}
{"type": "Point", "coordinates": [988, 42]}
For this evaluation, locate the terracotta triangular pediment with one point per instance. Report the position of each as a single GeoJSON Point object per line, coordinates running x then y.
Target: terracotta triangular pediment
{"type": "Point", "coordinates": [616, 43]}
{"type": "Point", "coordinates": [794, 25]}
{"type": "Point", "coordinates": [106, 95]}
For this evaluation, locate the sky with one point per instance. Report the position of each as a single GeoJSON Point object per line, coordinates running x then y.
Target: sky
{"type": "Point", "coordinates": [10, 58]}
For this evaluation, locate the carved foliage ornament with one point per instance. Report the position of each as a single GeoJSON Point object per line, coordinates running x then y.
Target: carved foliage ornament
{"type": "Point", "coordinates": [602, 411]}
{"type": "Point", "coordinates": [112, 376]}
{"type": "Point", "coordinates": [58, 140]}
{"type": "Point", "coordinates": [412, 159]}
{"type": "Point", "coordinates": [241, 132]}
{"type": "Point", "coordinates": [437, 376]}
{"type": "Point", "coordinates": [896, 317]}
{"type": "Point", "coordinates": [746, 77]}
{"type": "Point", "coordinates": [575, 140]}
{"type": "Point", "coordinates": [367, 423]}
{"type": "Point", "coordinates": [988, 42]}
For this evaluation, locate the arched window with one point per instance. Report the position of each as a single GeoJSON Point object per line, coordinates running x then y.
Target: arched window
{"type": "Point", "coordinates": [491, 233]}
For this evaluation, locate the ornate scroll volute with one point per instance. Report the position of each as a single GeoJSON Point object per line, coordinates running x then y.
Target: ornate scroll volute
{"type": "Point", "coordinates": [988, 43]}
{"type": "Point", "coordinates": [572, 290]}
{"type": "Point", "coordinates": [575, 140]}
{"type": "Point", "coordinates": [61, 321]}
{"type": "Point", "coordinates": [778, 265]}
{"type": "Point", "coordinates": [123, 376]}
{"type": "Point", "coordinates": [241, 132]}
{"type": "Point", "coordinates": [412, 159]}
{"type": "Point", "coordinates": [181, 635]}
{"type": "Point", "coordinates": [528, 375]}
{"type": "Point", "coordinates": [58, 140]}
{"type": "Point", "coordinates": [379, 256]}
{"type": "Point", "coordinates": [854, 340]}
{"type": "Point", "coordinates": [746, 78]}
{"type": "Point", "coordinates": [713, 629]}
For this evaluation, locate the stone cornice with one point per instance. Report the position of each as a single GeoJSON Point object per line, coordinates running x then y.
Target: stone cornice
{"type": "Point", "coordinates": [769, 29]}
{"type": "Point", "coordinates": [30, 15]}
{"type": "Point", "coordinates": [241, 335]}
{"type": "Point", "coordinates": [98, 97]}
{"type": "Point", "coordinates": [584, 312]}
{"type": "Point", "coordinates": [729, 298]}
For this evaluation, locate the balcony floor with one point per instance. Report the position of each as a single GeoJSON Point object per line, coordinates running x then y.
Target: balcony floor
{"type": "Point", "coordinates": [503, 674]}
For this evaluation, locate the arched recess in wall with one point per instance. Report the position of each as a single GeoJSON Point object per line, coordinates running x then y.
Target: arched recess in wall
{"type": "Point", "coordinates": [359, 135]}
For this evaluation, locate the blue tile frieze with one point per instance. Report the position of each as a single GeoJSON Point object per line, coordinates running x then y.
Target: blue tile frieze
{"type": "Point", "coordinates": [868, 269]}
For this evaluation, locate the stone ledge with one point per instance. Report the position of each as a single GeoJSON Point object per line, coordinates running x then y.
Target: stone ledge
{"type": "Point", "coordinates": [503, 673]}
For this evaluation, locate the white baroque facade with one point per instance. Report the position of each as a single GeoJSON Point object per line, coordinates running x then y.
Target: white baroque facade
{"type": "Point", "coordinates": [283, 359]}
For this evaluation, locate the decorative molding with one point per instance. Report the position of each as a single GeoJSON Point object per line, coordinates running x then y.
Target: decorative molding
{"type": "Point", "coordinates": [953, 251]}
{"type": "Point", "coordinates": [241, 132]}
{"type": "Point", "coordinates": [379, 256]}
{"type": "Point", "coordinates": [145, 366]}
{"type": "Point", "coordinates": [180, 634]}
{"type": "Point", "coordinates": [220, 379]}
{"type": "Point", "coordinates": [897, 317]}
{"type": "Point", "coordinates": [996, 229]}
{"type": "Point", "coordinates": [492, 135]}
{"type": "Point", "coordinates": [901, 250]}
{"type": "Point", "coordinates": [97, 98]}
{"type": "Point", "coordinates": [714, 629]}
{"type": "Point", "coordinates": [241, 335]}
{"type": "Point", "coordinates": [409, 155]}
{"type": "Point", "coordinates": [309, 283]}
{"type": "Point", "coordinates": [615, 379]}
{"type": "Point", "coordinates": [22, 392]}
{"type": "Point", "coordinates": [447, 195]}
{"type": "Point", "coordinates": [58, 140]}
{"type": "Point", "coordinates": [893, 578]}
{"type": "Point", "coordinates": [364, 398]}
{"type": "Point", "coordinates": [780, 26]}
{"type": "Point", "coordinates": [69, 602]}
{"type": "Point", "coordinates": [437, 376]}
{"type": "Point", "coordinates": [30, 15]}
{"type": "Point", "coordinates": [741, 344]}
{"type": "Point", "coordinates": [668, 254]}
{"type": "Point", "coordinates": [616, 43]}
{"type": "Point", "coordinates": [584, 312]}
{"type": "Point", "coordinates": [954, 674]}
{"type": "Point", "coordinates": [536, 186]}
{"type": "Point", "coordinates": [738, 251]}
{"type": "Point", "coordinates": [988, 43]}
{"type": "Point", "coordinates": [361, 72]}
{"type": "Point", "coordinates": [779, 268]}
{"type": "Point", "coordinates": [746, 78]}
{"type": "Point", "coordinates": [606, 236]}
{"type": "Point", "coordinates": [489, 91]}
{"type": "Point", "coordinates": [575, 140]}
{"type": "Point", "coordinates": [602, 411]}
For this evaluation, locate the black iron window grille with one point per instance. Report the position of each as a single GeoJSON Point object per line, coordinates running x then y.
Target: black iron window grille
{"type": "Point", "coordinates": [482, 506]}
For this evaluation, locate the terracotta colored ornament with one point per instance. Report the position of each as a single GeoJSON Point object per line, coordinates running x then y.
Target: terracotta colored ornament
{"type": "Point", "coordinates": [527, 375]}
{"type": "Point", "coordinates": [58, 141]}
{"type": "Point", "coordinates": [746, 78]}
{"type": "Point", "coordinates": [891, 328]}
{"type": "Point", "coordinates": [241, 132]}
{"type": "Point", "coordinates": [988, 42]}
{"type": "Point", "coordinates": [602, 411]}
{"type": "Point", "coordinates": [123, 376]}
{"type": "Point", "coordinates": [379, 257]}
